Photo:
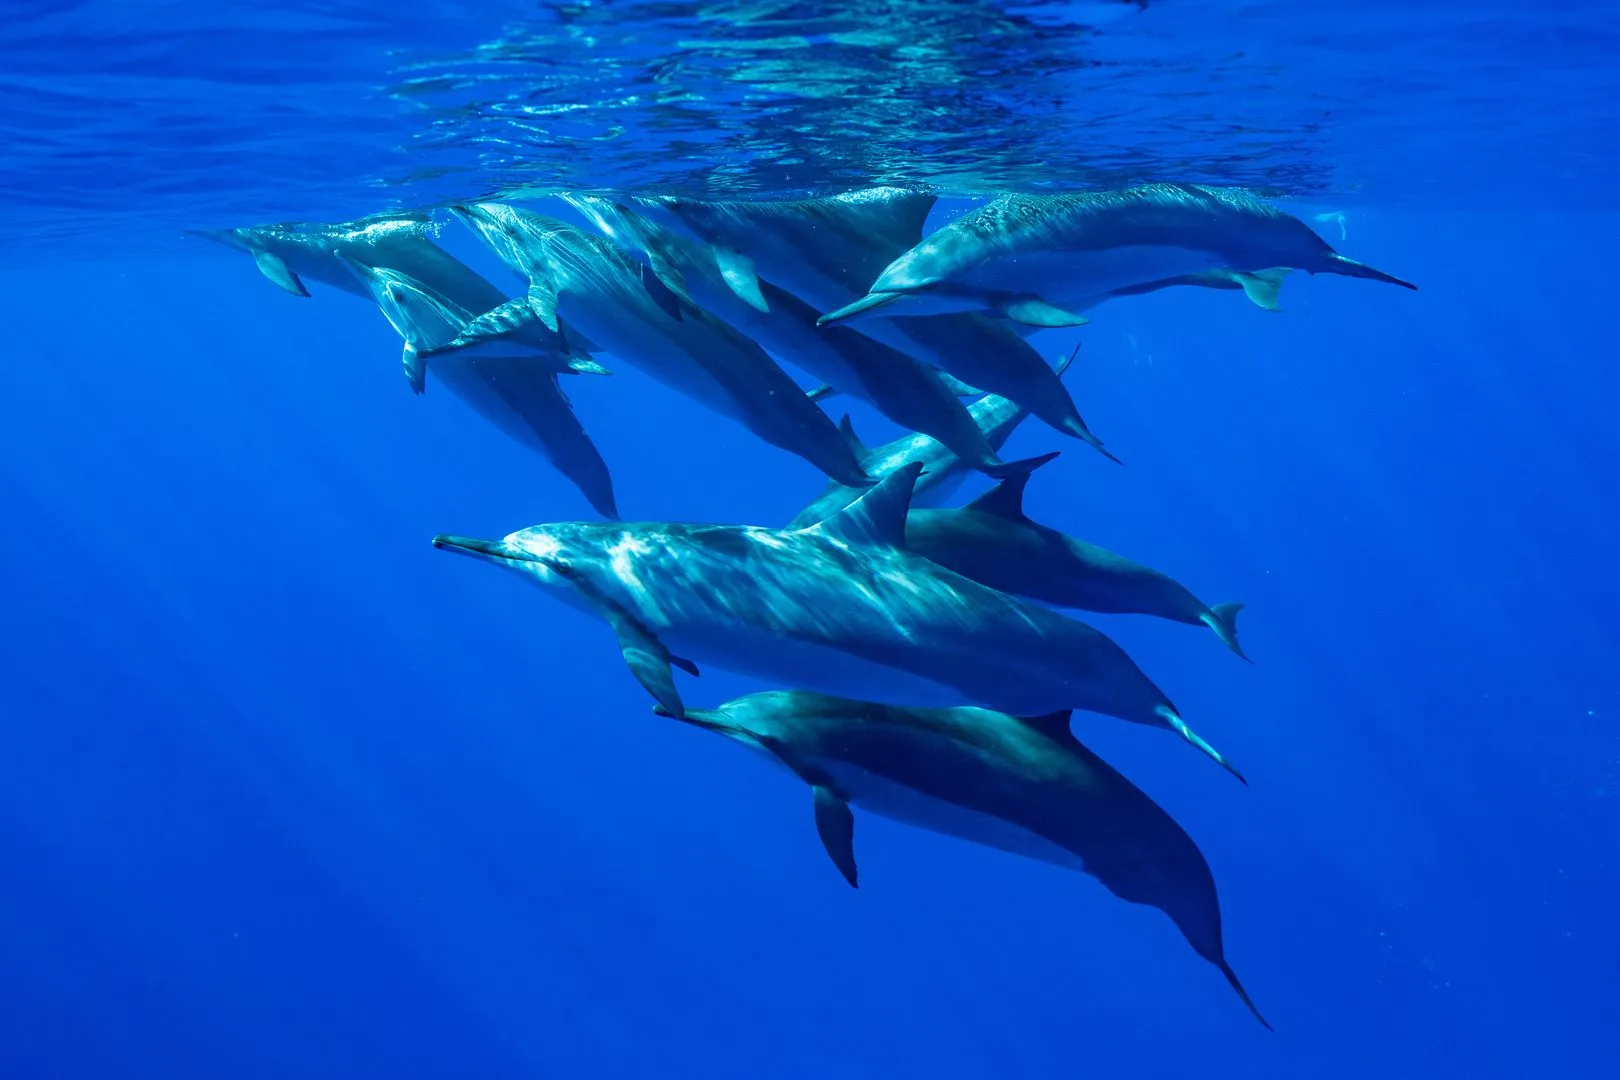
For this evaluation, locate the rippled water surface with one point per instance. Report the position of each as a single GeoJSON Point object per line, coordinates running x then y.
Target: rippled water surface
{"type": "Point", "coordinates": [172, 116]}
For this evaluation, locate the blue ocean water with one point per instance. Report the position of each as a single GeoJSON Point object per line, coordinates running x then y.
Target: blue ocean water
{"type": "Point", "coordinates": [286, 792]}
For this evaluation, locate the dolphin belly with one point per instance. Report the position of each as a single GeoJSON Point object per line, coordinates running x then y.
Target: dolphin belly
{"type": "Point", "coordinates": [1077, 279]}
{"type": "Point", "coordinates": [891, 799]}
{"type": "Point", "coordinates": [805, 665]}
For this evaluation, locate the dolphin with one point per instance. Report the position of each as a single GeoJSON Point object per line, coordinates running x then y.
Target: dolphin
{"type": "Point", "coordinates": [1039, 259]}
{"type": "Point", "coordinates": [514, 392]}
{"type": "Point", "coordinates": [579, 279]}
{"type": "Point", "coordinates": [907, 391]}
{"type": "Point", "coordinates": [827, 250]}
{"type": "Point", "coordinates": [1026, 787]}
{"type": "Point", "coordinates": [942, 471]}
{"type": "Point", "coordinates": [992, 541]}
{"type": "Point", "coordinates": [286, 254]}
{"type": "Point", "coordinates": [840, 608]}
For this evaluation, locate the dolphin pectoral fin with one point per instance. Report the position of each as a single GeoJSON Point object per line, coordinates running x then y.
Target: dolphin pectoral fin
{"type": "Point", "coordinates": [661, 293]}
{"type": "Point", "coordinates": [1222, 618]}
{"type": "Point", "coordinates": [646, 657]}
{"type": "Point", "coordinates": [1338, 264]}
{"type": "Point", "coordinates": [1033, 311]}
{"type": "Point", "coordinates": [276, 269]}
{"type": "Point", "coordinates": [742, 276]}
{"type": "Point", "coordinates": [859, 307]}
{"type": "Point", "coordinates": [1054, 726]}
{"type": "Point", "coordinates": [1006, 499]}
{"type": "Point", "coordinates": [1179, 726]}
{"type": "Point", "coordinates": [509, 318]}
{"type": "Point", "coordinates": [584, 365]}
{"type": "Point", "coordinates": [822, 392]}
{"type": "Point", "coordinates": [542, 300]}
{"type": "Point", "coordinates": [835, 824]}
{"type": "Point", "coordinates": [1263, 287]}
{"type": "Point", "coordinates": [415, 369]}
{"type": "Point", "coordinates": [1064, 362]}
{"type": "Point", "coordinates": [958, 388]}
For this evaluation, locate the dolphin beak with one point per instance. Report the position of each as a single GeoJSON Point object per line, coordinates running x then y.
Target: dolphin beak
{"type": "Point", "coordinates": [494, 550]}
{"type": "Point", "coordinates": [1338, 264]}
{"type": "Point", "coordinates": [859, 307]}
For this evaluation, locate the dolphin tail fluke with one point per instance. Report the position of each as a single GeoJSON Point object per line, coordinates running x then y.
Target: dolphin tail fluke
{"type": "Point", "coordinates": [1231, 977]}
{"type": "Point", "coordinates": [1006, 470]}
{"type": "Point", "coordinates": [1263, 287]}
{"type": "Point", "coordinates": [867, 303]}
{"type": "Point", "coordinates": [1179, 726]}
{"type": "Point", "coordinates": [1222, 618]}
{"type": "Point", "coordinates": [1338, 264]}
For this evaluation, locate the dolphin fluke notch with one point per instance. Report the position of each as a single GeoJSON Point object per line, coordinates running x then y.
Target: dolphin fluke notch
{"type": "Point", "coordinates": [1347, 267]}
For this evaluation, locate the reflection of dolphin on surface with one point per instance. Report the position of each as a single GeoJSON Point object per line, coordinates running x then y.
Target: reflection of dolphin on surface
{"type": "Point", "coordinates": [580, 279]}
{"type": "Point", "coordinates": [839, 608]}
{"type": "Point", "coordinates": [1027, 787]}
{"type": "Point", "coordinates": [991, 541]}
{"type": "Point", "coordinates": [1041, 259]}
{"type": "Point", "coordinates": [514, 392]}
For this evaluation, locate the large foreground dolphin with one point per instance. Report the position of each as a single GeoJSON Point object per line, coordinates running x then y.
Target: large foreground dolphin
{"type": "Point", "coordinates": [1040, 259]}
{"type": "Point", "coordinates": [992, 541]}
{"type": "Point", "coordinates": [840, 608]}
{"type": "Point", "coordinates": [827, 250]}
{"type": "Point", "coordinates": [942, 471]}
{"type": "Point", "coordinates": [286, 254]}
{"type": "Point", "coordinates": [907, 391]}
{"type": "Point", "coordinates": [513, 391]}
{"type": "Point", "coordinates": [580, 279]}
{"type": "Point", "coordinates": [1027, 787]}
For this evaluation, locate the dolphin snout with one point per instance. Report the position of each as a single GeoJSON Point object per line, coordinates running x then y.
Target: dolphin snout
{"type": "Point", "coordinates": [478, 549]}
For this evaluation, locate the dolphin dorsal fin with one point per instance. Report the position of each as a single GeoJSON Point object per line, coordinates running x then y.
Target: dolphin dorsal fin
{"type": "Point", "coordinates": [846, 428]}
{"type": "Point", "coordinates": [879, 515]}
{"type": "Point", "coordinates": [1006, 499]}
{"type": "Point", "coordinates": [1054, 726]}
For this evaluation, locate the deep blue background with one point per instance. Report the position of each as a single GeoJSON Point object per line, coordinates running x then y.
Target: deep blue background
{"type": "Point", "coordinates": [285, 792]}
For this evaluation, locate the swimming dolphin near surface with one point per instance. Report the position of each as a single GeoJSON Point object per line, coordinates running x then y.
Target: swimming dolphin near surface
{"type": "Point", "coordinates": [1039, 259]}
{"type": "Point", "coordinates": [991, 541]}
{"type": "Point", "coordinates": [840, 608]}
{"type": "Point", "coordinates": [579, 279]}
{"type": "Point", "coordinates": [1027, 787]}
{"type": "Point", "coordinates": [904, 389]}
{"type": "Point", "coordinates": [514, 392]}
{"type": "Point", "coordinates": [286, 254]}
{"type": "Point", "coordinates": [826, 251]}
{"type": "Point", "coordinates": [942, 471]}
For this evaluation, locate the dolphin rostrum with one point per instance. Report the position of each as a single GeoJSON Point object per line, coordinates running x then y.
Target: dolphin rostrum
{"type": "Point", "coordinates": [513, 391]}
{"type": "Point", "coordinates": [840, 608]}
{"type": "Point", "coordinates": [580, 279]}
{"type": "Point", "coordinates": [1026, 787]}
{"type": "Point", "coordinates": [1040, 259]}
{"type": "Point", "coordinates": [942, 471]}
{"type": "Point", "coordinates": [991, 541]}
{"type": "Point", "coordinates": [907, 391]}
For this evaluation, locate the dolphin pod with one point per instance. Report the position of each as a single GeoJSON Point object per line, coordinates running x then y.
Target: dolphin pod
{"type": "Point", "coordinates": [926, 654]}
{"type": "Point", "coordinates": [1041, 259]}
